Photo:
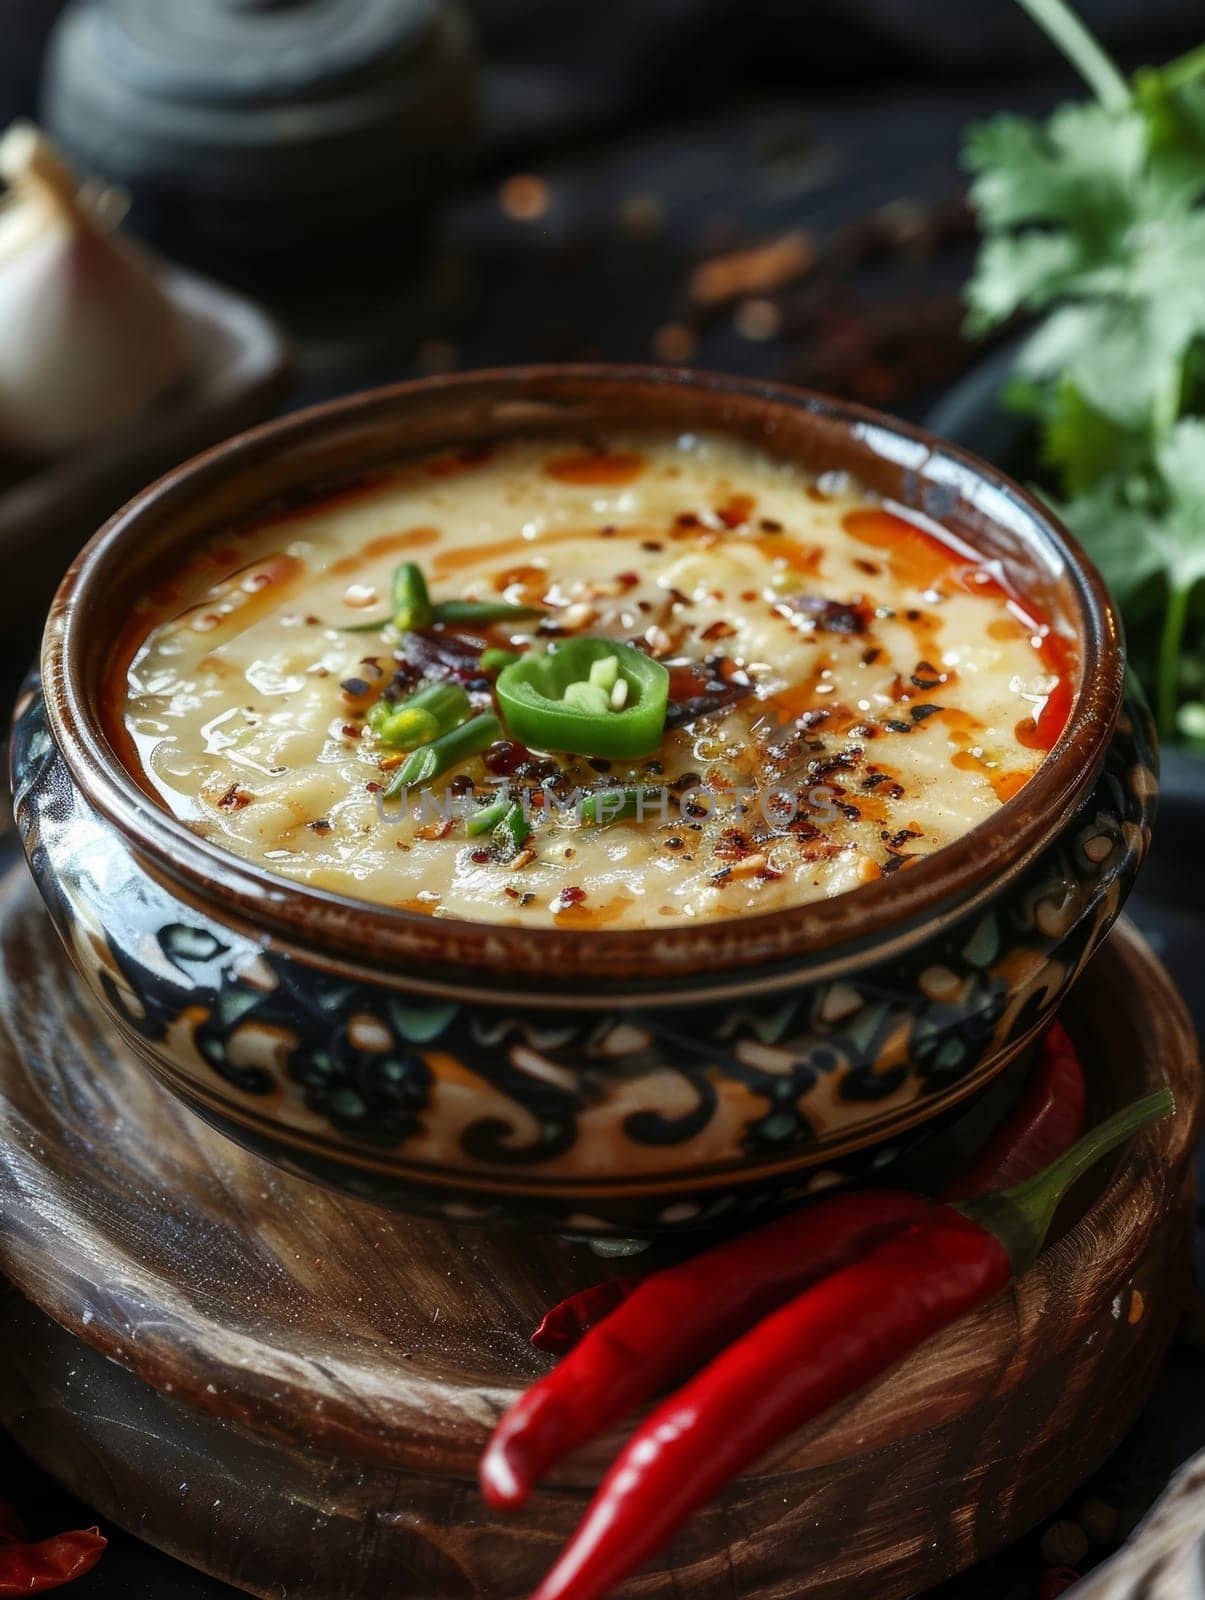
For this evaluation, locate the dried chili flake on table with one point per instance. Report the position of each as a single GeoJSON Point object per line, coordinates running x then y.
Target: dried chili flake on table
{"type": "Point", "coordinates": [28, 1568]}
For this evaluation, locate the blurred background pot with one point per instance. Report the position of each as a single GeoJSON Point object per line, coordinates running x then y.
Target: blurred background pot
{"type": "Point", "coordinates": [253, 127]}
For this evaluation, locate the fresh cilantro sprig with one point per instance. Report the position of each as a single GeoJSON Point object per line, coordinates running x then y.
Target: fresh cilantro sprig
{"type": "Point", "coordinates": [1096, 217]}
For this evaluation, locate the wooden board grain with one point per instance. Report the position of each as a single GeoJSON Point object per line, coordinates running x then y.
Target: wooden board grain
{"type": "Point", "coordinates": [297, 1385]}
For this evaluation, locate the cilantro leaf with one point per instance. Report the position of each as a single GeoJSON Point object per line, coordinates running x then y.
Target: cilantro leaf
{"type": "Point", "coordinates": [1181, 534]}
{"type": "Point", "coordinates": [1084, 445]}
{"type": "Point", "coordinates": [1016, 180]}
{"type": "Point", "coordinates": [1097, 217]}
{"type": "Point", "coordinates": [1131, 362]}
{"type": "Point", "coordinates": [1018, 271]}
{"type": "Point", "coordinates": [1117, 537]}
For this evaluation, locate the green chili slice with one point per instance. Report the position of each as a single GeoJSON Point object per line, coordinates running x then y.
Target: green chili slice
{"type": "Point", "coordinates": [449, 750]}
{"type": "Point", "coordinates": [423, 717]}
{"type": "Point", "coordinates": [591, 719]}
{"type": "Point", "coordinates": [493, 661]}
{"type": "Point", "coordinates": [512, 831]}
{"type": "Point", "coordinates": [483, 611]}
{"type": "Point", "coordinates": [377, 625]}
{"type": "Point", "coordinates": [411, 602]}
{"type": "Point", "coordinates": [486, 818]}
{"type": "Point", "coordinates": [413, 608]}
{"type": "Point", "coordinates": [617, 805]}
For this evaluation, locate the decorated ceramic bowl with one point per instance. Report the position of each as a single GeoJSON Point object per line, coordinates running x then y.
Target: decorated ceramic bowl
{"type": "Point", "coordinates": [600, 1079]}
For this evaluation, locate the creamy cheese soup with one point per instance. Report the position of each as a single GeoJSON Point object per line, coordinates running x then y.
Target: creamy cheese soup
{"type": "Point", "coordinates": [845, 691]}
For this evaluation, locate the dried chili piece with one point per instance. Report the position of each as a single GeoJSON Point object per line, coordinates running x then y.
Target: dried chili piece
{"type": "Point", "coordinates": [28, 1568]}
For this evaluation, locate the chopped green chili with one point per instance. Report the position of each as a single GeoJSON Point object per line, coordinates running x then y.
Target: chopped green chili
{"type": "Point", "coordinates": [483, 611]}
{"type": "Point", "coordinates": [411, 602]}
{"type": "Point", "coordinates": [616, 805]}
{"type": "Point", "coordinates": [412, 607]}
{"type": "Point", "coordinates": [493, 661]}
{"type": "Point", "coordinates": [486, 818]}
{"type": "Point", "coordinates": [552, 699]}
{"type": "Point", "coordinates": [377, 625]}
{"type": "Point", "coordinates": [423, 717]}
{"type": "Point", "coordinates": [449, 750]}
{"type": "Point", "coordinates": [512, 831]}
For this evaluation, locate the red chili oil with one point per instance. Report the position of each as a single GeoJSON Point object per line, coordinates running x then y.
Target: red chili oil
{"type": "Point", "coordinates": [596, 467]}
{"type": "Point", "coordinates": [921, 558]}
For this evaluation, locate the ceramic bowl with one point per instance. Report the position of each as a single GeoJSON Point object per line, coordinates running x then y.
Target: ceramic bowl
{"type": "Point", "coordinates": [620, 1080]}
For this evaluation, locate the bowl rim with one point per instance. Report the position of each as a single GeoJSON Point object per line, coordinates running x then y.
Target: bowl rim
{"type": "Point", "coordinates": [758, 952]}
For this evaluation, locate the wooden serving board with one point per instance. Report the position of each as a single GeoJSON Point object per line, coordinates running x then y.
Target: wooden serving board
{"type": "Point", "coordinates": [297, 1385]}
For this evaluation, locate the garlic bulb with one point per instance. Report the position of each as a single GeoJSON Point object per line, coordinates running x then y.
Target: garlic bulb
{"type": "Point", "coordinates": [87, 336]}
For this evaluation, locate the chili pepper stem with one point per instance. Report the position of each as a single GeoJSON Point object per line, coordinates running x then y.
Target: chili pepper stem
{"type": "Point", "coordinates": [1020, 1217]}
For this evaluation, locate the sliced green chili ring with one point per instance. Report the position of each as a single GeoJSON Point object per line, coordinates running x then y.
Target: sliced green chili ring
{"type": "Point", "coordinates": [487, 818]}
{"type": "Point", "coordinates": [411, 603]}
{"type": "Point", "coordinates": [616, 805]}
{"type": "Point", "coordinates": [531, 693]}
{"type": "Point", "coordinates": [511, 833]}
{"type": "Point", "coordinates": [483, 611]}
{"type": "Point", "coordinates": [604, 673]}
{"type": "Point", "coordinates": [493, 661]}
{"type": "Point", "coordinates": [434, 710]}
{"type": "Point", "coordinates": [588, 697]}
{"type": "Point", "coordinates": [449, 750]}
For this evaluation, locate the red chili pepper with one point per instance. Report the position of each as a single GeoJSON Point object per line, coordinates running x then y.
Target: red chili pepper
{"type": "Point", "coordinates": [1056, 1581]}
{"type": "Point", "coordinates": [11, 1526]}
{"type": "Point", "coordinates": [27, 1569]}
{"type": "Point", "coordinates": [563, 1324]}
{"type": "Point", "coordinates": [821, 1347]}
{"type": "Point", "coordinates": [675, 1320]}
{"type": "Point", "coordinates": [1048, 1119]}
{"type": "Point", "coordinates": [826, 1344]}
